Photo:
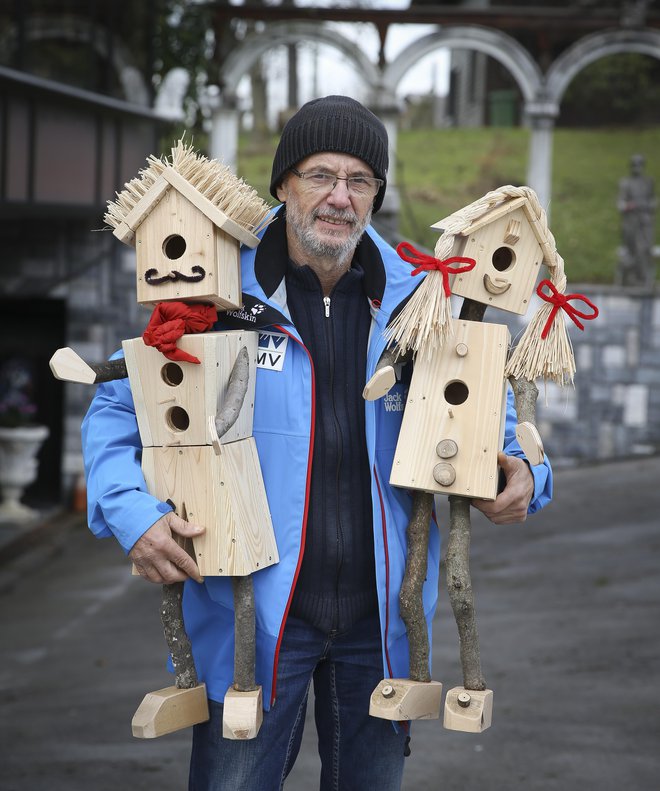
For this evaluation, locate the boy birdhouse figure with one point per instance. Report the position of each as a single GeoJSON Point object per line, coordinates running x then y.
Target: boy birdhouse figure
{"type": "Point", "coordinates": [454, 420]}
{"type": "Point", "coordinates": [193, 392]}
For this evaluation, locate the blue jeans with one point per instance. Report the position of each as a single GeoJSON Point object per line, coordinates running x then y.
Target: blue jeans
{"type": "Point", "coordinates": [357, 751]}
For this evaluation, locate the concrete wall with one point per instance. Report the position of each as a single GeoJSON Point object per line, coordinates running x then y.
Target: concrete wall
{"type": "Point", "coordinates": [613, 411]}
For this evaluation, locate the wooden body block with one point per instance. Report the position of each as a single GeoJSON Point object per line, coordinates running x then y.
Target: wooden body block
{"type": "Point", "coordinates": [242, 714]}
{"type": "Point", "coordinates": [403, 699]}
{"type": "Point", "coordinates": [173, 400]}
{"type": "Point", "coordinates": [453, 424]}
{"type": "Point", "coordinates": [508, 261]}
{"type": "Point", "coordinates": [177, 236]}
{"type": "Point", "coordinates": [224, 493]}
{"type": "Point", "coordinates": [168, 710]}
{"type": "Point", "coordinates": [473, 718]}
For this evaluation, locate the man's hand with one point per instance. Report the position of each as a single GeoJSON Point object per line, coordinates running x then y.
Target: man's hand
{"type": "Point", "coordinates": [512, 503]}
{"type": "Point", "coordinates": [158, 557]}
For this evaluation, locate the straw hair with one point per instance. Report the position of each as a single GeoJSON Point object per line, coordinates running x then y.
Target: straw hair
{"type": "Point", "coordinates": [425, 323]}
{"type": "Point", "coordinates": [214, 180]}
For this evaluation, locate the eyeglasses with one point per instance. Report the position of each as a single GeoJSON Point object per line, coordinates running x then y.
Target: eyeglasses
{"type": "Point", "coordinates": [358, 186]}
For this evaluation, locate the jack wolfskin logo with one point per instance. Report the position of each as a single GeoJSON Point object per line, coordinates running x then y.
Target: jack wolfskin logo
{"type": "Point", "coordinates": [243, 315]}
{"type": "Point", "coordinates": [257, 309]}
{"type": "Point", "coordinates": [393, 402]}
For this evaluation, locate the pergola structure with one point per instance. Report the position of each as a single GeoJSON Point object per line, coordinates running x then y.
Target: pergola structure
{"type": "Point", "coordinates": [542, 77]}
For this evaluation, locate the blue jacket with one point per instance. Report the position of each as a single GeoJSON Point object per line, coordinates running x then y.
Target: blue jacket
{"type": "Point", "coordinates": [120, 505]}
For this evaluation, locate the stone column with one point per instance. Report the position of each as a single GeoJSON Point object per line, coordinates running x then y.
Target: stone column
{"type": "Point", "coordinates": [387, 219]}
{"type": "Point", "coordinates": [540, 117]}
{"type": "Point", "coordinates": [223, 140]}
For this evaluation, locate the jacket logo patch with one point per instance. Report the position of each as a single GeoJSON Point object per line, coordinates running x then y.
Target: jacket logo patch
{"type": "Point", "coordinates": [272, 350]}
{"type": "Point", "coordinates": [393, 402]}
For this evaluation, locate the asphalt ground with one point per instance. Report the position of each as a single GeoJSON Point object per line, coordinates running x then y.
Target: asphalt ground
{"type": "Point", "coordinates": [568, 609]}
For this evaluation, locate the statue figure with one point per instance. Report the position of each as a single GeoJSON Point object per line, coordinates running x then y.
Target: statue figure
{"type": "Point", "coordinates": [637, 203]}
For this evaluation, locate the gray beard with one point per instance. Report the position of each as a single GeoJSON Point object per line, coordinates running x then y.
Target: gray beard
{"type": "Point", "coordinates": [303, 228]}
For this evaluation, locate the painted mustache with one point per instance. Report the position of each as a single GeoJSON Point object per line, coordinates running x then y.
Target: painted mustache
{"type": "Point", "coordinates": [152, 277]}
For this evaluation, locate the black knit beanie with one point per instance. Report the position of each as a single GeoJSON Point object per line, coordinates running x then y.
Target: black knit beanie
{"type": "Point", "coordinates": [333, 123]}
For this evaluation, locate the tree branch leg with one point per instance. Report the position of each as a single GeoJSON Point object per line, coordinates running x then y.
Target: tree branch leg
{"type": "Point", "coordinates": [176, 636]}
{"type": "Point", "coordinates": [459, 586]}
{"type": "Point", "coordinates": [244, 634]}
{"type": "Point", "coordinates": [410, 597]}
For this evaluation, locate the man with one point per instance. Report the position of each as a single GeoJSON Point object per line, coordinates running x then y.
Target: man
{"type": "Point", "coordinates": [321, 288]}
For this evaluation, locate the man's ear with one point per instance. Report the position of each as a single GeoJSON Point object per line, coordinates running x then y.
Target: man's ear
{"type": "Point", "coordinates": [282, 193]}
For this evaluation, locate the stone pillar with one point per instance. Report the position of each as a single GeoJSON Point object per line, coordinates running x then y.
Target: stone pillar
{"type": "Point", "coordinates": [223, 140]}
{"type": "Point", "coordinates": [540, 117]}
{"type": "Point", "coordinates": [387, 219]}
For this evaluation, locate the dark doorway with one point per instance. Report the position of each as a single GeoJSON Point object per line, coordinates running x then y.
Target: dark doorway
{"type": "Point", "coordinates": [32, 330]}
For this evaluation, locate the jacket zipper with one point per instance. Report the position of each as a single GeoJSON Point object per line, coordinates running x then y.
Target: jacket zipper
{"type": "Point", "coordinates": [326, 302]}
{"type": "Point", "coordinates": [305, 512]}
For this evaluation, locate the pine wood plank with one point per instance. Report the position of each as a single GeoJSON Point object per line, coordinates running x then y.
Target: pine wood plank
{"type": "Point", "coordinates": [476, 425]}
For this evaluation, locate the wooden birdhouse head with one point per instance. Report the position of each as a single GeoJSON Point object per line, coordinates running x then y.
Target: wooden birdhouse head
{"type": "Point", "coordinates": [187, 220]}
{"type": "Point", "coordinates": [509, 245]}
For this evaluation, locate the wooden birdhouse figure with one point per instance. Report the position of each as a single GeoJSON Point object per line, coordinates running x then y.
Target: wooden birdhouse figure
{"type": "Point", "coordinates": [187, 249]}
{"type": "Point", "coordinates": [509, 245]}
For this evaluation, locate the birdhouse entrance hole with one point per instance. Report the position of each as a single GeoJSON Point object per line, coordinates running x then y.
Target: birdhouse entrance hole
{"type": "Point", "coordinates": [177, 418]}
{"type": "Point", "coordinates": [456, 392]}
{"type": "Point", "coordinates": [174, 246]}
{"type": "Point", "coordinates": [172, 374]}
{"type": "Point", "coordinates": [503, 258]}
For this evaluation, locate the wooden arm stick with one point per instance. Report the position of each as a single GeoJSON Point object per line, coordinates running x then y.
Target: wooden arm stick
{"type": "Point", "coordinates": [244, 634]}
{"type": "Point", "coordinates": [525, 393]}
{"type": "Point", "coordinates": [177, 637]}
{"type": "Point", "coordinates": [69, 366]}
{"type": "Point", "coordinates": [459, 586]}
{"type": "Point", "coordinates": [236, 390]}
{"type": "Point", "coordinates": [410, 596]}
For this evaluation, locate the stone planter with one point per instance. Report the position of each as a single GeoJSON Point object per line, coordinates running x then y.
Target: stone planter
{"type": "Point", "coordinates": [18, 469]}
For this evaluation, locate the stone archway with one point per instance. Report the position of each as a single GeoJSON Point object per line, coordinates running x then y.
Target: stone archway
{"type": "Point", "coordinates": [592, 48]}
{"type": "Point", "coordinates": [225, 122]}
{"type": "Point", "coordinates": [514, 57]}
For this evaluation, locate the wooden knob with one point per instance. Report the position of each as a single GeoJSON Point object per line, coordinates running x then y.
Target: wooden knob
{"type": "Point", "coordinates": [461, 349]}
{"type": "Point", "coordinates": [444, 473]}
{"type": "Point", "coordinates": [446, 448]}
{"type": "Point", "coordinates": [463, 699]}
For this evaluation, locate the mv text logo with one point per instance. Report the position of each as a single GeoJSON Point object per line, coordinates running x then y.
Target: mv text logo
{"type": "Point", "coordinates": [272, 350]}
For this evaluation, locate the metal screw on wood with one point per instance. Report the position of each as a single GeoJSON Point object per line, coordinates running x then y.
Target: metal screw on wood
{"type": "Point", "coordinates": [387, 691]}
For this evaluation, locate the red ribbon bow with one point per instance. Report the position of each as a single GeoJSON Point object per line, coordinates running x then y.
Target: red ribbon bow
{"type": "Point", "coordinates": [426, 263]}
{"type": "Point", "coordinates": [558, 300]}
{"type": "Point", "coordinates": [170, 320]}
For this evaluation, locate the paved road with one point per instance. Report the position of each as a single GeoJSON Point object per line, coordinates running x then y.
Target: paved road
{"type": "Point", "coordinates": [568, 607]}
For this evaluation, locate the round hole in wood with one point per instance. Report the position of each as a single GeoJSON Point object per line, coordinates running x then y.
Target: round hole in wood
{"type": "Point", "coordinates": [174, 246]}
{"type": "Point", "coordinates": [503, 258]}
{"type": "Point", "coordinates": [456, 392]}
{"type": "Point", "coordinates": [172, 374]}
{"type": "Point", "coordinates": [177, 418]}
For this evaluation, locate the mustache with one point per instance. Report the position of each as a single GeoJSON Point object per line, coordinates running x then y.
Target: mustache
{"type": "Point", "coordinates": [152, 277]}
{"type": "Point", "coordinates": [343, 215]}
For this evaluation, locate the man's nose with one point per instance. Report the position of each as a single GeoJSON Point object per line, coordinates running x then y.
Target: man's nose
{"type": "Point", "coordinates": [340, 196]}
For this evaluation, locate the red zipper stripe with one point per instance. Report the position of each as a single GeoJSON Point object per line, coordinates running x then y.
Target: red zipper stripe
{"type": "Point", "coordinates": [306, 509]}
{"type": "Point", "coordinates": [387, 572]}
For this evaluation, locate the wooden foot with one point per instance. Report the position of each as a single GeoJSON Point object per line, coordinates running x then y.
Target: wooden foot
{"type": "Point", "coordinates": [402, 699]}
{"type": "Point", "coordinates": [242, 714]}
{"type": "Point", "coordinates": [468, 710]}
{"type": "Point", "coordinates": [168, 710]}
